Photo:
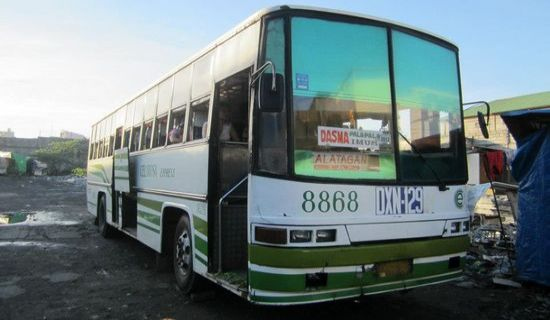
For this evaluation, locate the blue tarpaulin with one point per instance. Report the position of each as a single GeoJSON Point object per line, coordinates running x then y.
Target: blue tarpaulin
{"type": "Point", "coordinates": [531, 168]}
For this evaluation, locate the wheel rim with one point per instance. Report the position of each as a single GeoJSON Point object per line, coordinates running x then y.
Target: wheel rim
{"type": "Point", "coordinates": [183, 253]}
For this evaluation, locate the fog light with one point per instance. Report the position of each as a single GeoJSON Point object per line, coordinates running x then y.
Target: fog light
{"type": "Point", "coordinates": [326, 235]}
{"type": "Point", "coordinates": [466, 226]}
{"type": "Point", "coordinates": [270, 235]}
{"type": "Point", "coordinates": [300, 235]}
{"type": "Point", "coordinates": [455, 227]}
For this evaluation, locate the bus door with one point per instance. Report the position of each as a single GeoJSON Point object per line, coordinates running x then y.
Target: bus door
{"type": "Point", "coordinates": [229, 147]}
{"type": "Point", "coordinates": [121, 181]}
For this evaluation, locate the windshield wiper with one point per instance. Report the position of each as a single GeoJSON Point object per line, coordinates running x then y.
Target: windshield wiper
{"type": "Point", "coordinates": [442, 186]}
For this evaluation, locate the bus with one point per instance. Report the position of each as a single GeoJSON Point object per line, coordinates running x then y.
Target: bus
{"type": "Point", "coordinates": [306, 155]}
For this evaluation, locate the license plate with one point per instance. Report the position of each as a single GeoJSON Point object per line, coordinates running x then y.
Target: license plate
{"type": "Point", "coordinates": [399, 200]}
{"type": "Point", "coordinates": [393, 268]}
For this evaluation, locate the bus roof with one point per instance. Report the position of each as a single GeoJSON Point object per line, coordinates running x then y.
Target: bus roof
{"type": "Point", "coordinates": [253, 19]}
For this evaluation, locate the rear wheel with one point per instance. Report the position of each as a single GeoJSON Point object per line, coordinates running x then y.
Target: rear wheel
{"type": "Point", "coordinates": [104, 229]}
{"type": "Point", "coordinates": [186, 279]}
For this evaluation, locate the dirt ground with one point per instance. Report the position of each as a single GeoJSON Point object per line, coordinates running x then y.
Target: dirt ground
{"type": "Point", "coordinates": [56, 266]}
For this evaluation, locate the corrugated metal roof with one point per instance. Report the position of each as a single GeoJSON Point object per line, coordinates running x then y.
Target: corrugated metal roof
{"type": "Point", "coordinates": [530, 101]}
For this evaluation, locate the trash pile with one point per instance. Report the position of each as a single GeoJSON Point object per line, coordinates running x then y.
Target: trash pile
{"type": "Point", "coordinates": [491, 258]}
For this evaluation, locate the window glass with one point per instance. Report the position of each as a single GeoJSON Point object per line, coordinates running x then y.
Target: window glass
{"type": "Point", "coordinates": [94, 150]}
{"type": "Point", "coordinates": [182, 87]}
{"type": "Point", "coordinates": [202, 76]}
{"type": "Point", "coordinates": [161, 125]}
{"type": "Point", "coordinates": [272, 140]}
{"type": "Point", "coordinates": [341, 100]}
{"type": "Point", "coordinates": [177, 122]}
{"type": "Point", "coordinates": [150, 104]}
{"type": "Point", "coordinates": [428, 104]}
{"type": "Point", "coordinates": [147, 135]}
{"type": "Point", "coordinates": [111, 140]}
{"type": "Point", "coordinates": [138, 111]}
{"type": "Point", "coordinates": [136, 134]}
{"type": "Point", "coordinates": [126, 141]}
{"type": "Point", "coordinates": [129, 114]}
{"type": "Point", "coordinates": [100, 153]}
{"type": "Point", "coordinates": [198, 121]}
{"type": "Point", "coordinates": [118, 138]}
{"type": "Point", "coordinates": [120, 116]}
{"type": "Point", "coordinates": [165, 95]}
{"type": "Point", "coordinates": [108, 127]}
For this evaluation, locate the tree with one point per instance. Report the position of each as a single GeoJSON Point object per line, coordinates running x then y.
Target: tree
{"type": "Point", "coordinates": [63, 156]}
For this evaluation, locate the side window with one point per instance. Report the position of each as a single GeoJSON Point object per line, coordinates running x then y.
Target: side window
{"type": "Point", "coordinates": [159, 138]}
{"type": "Point", "coordinates": [110, 146]}
{"type": "Point", "coordinates": [147, 135]}
{"type": "Point", "coordinates": [198, 121]}
{"type": "Point", "coordinates": [118, 138]}
{"type": "Point", "coordinates": [272, 146]}
{"type": "Point", "coordinates": [94, 150]}
{"type": "Point", "coordinates": [177, 120]}
{"type": "Point", "coordinates": [126, 141]}
{"type": "Point", "coordinates": [100, 153]}
{"type": "Point", "coordinates": [136, 134]}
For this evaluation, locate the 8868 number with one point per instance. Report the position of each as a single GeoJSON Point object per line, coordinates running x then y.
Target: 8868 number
{"type": "Point", "coordinates": [324, 201]}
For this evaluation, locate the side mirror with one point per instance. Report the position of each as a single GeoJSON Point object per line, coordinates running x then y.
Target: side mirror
{"type": "Point", "coordinates": [480, 118]}
{"type": "Point", "coordinates": [482, 125]}
{"type": "Point", "coordinates": [271, 95]}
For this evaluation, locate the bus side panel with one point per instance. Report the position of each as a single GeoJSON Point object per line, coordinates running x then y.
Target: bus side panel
{"type": "Point", "coordinates": [172, 177]}
{"type": "Point", "coordinates": [99, 180]}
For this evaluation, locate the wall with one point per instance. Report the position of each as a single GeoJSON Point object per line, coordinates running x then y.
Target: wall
{"type": "Point", "coordinates": [25, 146]}
{"type": "Point", "coordinates": [498, 132]}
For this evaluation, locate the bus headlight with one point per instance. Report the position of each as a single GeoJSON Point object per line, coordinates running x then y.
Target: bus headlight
{"type": "Point", "coordinates": [326, 235]}
{"type": "Point", "coordinates": [300, 235]}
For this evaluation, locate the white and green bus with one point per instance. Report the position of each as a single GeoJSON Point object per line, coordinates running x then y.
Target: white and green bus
{"type": "Point", "coordinates": [307, 155]}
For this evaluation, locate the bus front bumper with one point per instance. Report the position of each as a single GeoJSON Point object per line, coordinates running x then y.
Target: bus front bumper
{"type": "Point", "coordinates": [279, 275]}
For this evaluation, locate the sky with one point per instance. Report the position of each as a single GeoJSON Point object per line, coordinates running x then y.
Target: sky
{"type": "Point", "coordinates": [64, 64]}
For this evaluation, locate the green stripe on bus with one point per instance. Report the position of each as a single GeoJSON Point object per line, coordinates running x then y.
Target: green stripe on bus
{"type": "Point", "coordinates": [354, 255]}
{"type": "Point", "coordinates": [151, 204]}
{"type": "Point", "coordinates": [121, 168]}
{"type": "Point", "coordinates": [200, 225]}
{"type": "Point", "coordinates": [297, 282]}
{"type": "Point", "coordinates": [154, 219]}
{"type": "Point", "coordinates": [201, 260]}
{"type": "Point", "coordinates": [354, 292]}
{"type": "Point", "coordinates": [121, 178]}
{"type": "Point", "coordinates": [148, 227]}
{"type": "Point", "coordinates": [201, 245]}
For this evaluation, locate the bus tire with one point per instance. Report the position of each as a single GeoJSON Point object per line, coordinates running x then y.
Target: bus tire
{"type": "Point", "coordinates": [186, 279]}
{"type": "Point", "coordinates": [102, 226]}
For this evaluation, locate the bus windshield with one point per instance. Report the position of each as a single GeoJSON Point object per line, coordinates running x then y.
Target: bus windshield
{"type": "Point", "coordinates": [342, 103]}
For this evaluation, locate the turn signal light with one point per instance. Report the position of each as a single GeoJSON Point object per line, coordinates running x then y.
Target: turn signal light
{"type": "Point", "coordinates": [270, 235]}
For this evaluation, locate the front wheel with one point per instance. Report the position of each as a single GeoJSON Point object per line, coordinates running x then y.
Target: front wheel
{"type": "Point", "coordinates": [186, 279]}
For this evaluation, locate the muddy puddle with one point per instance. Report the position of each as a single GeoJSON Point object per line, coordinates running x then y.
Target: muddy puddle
{"type": "Point", "coordinates": [14, 217]}
{"type": "Point", "coordinates": [35, 218]}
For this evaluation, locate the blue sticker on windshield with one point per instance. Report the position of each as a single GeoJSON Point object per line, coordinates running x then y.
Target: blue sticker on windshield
{"type": "Point", "coordinates": [302, 81]}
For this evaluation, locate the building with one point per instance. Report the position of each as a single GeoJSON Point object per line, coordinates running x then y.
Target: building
{"type": "Point", "coordinates": [498, 132]}
{"type": "Point", "coordinates": [64, 134]}
{"type": "Point", "coordinates": [7, 134]}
